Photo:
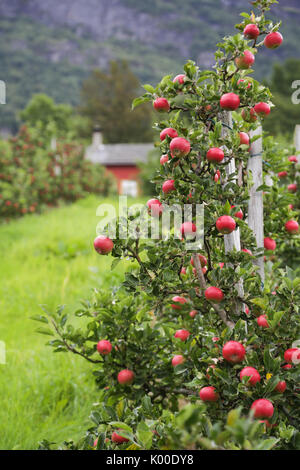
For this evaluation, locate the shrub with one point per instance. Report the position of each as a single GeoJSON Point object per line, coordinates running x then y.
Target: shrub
{"type": "Point", "coordinates": [31, 176]}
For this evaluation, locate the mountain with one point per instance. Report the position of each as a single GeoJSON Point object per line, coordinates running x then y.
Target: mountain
{"type": "Point", "coordinates": [50, 46]}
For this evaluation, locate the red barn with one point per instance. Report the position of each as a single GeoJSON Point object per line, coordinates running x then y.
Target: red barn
{"type": "Point", "coordinates": [120, 160]}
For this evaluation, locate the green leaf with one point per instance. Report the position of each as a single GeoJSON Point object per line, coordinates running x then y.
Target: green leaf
{"type": "Point", "coordinates": [40, 318]}
{"type": "Point", "coordinates": [143, 99]}
{"type": "Point", "coordinates": [227, 208]}
{"type": "Point", "coordinates": [120, 408]}
{"type": "Point", "coordinates": [121, 425]}
{"type": "Point", "coordinates": [45, 331]}
{"type": "Point", "coordinates": [267, 444]}
{"type": "Point", "coordinates": [144, 435]}
{"type": "Point", "coordinates": [149, 88]}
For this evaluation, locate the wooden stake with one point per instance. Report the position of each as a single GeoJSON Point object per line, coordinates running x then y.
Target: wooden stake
{"type": "Point", "coordinates": [297, 140]}
{"type": "Point", "coordinates": [232, 241]}
{"type": "Point", "coordinates": [255, 206]}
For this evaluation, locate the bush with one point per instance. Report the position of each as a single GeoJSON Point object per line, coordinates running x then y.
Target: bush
{"type": "Point", "coordinates": [32, 177]}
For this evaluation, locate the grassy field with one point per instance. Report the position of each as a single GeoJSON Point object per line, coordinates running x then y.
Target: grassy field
{"type": "Point", "coordinates": [49, 260]}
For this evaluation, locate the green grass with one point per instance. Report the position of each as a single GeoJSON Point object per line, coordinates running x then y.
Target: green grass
{"type": "Point", "coordinates": [46, 259]}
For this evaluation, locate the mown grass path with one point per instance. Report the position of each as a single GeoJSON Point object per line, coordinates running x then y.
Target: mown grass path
{"type": "Point", "coordinates": [46, 259]}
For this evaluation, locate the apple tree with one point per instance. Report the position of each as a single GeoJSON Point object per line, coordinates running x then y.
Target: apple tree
{"type": "Point", "coordinates": [193, 343]}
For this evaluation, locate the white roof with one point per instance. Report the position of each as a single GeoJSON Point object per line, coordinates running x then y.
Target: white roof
{"type": "Point", "coordinates": [118, 154]}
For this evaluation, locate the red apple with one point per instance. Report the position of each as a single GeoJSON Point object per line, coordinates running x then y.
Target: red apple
{"type": "Point", "coordinates": [179, 301]}
{"type": "Point", "coordinates": [244, 138]}
{"type": "Point", "coordinates": [155, 207]}
{"type": "Point", "coordinates": [183, 271]}
{"type": "Point", "coordinates": [247, 311]}
{"type": "Point", "coordinates": [293, 159]}
{"type": "Point", "coordinates": [193, 313]}
{"type": "Point", "coordinates": [125, 377]}
{"type": "Point", "coordinates": [239, 214]}
{"type": "Point", "coordinates": [182, 334]}
{"type": "Point", "coordinates": [103, 245]}
{"type": "Point", "coordinates": [282, 174]}
{"type": "Point", "coordinates": [292, 188]}
{"type": "Point", "coordinates": [177, 360]}
{"type": "Point", "coordinates": [292, 355]}
{"type": "Point", "coordinates": [117, 439]}
{"type": "Point", "coordinates": [249, 252]}
{"type": "Point", "coordinates": [287, 366]}
{"type": "Point", "coordinates": [161, 105]}
{"type": "Point", "coordinates": [252, 374]}
{"type": "Point", "coordinates": [249, 115]}
{"type": "Point", "coordinates": [230, 101]}
{"type": "Point", "coordinates": [262, 109]}
{"type": "Point", "coordinates": [214, 294]}
{"type": "Point", "coordinates": [180, 147]}
{"type": "Point", "coordinates": [188, 229]}
{"type": "Point", "coordinates": [251, 31]}
{"type": "Point", "coordinates": [215, 155]}
{"type": "Point", "coordinates": [248, 83]}
{"type": "Point", "coordinates": [269, 244]}
{"type": "Point", "coordinates": [164, 159]}
{"type": "Point", "coordinates": [209, 394]}
{"type": "Point", "coordinates": [262, 408]}
{"type": "Point", "coordinates": [179, 79]}
{"type": "Point", "coordinates": [104, 347]}
{"type": "Point", "coordinates": [234, 352]}
{"type": "Point", "coordinates": [245, 61]}
{"type": "Point", "coordinates": [262, 321]}
{"type": "Point", "coordinates": [212, 366]}
{"type": "Point", "coordinates": [169, 131]}
{"type": "Point", "coordinates": [202, 259]}
{"type": "Point", "coordinates": [225, 224]}
{"type": "Point", "coordinates": [281, 386]}
{"type": "Point", "coordinates": [292, 226]}
{"type": "Point", "coordinates": [273, 40]}
{"type": "Point", "coordinates": [217, 176]}
{"type": "Point", "coordinates": [168, 186]}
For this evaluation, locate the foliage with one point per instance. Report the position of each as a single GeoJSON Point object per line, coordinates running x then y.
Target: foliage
{"type": "Point", "coordinates": [106, 98]}
{"type": "Point", "coordinates": [141, 321]}
{"type": "Point", "coordinates": [147, 172]}
{"type": "Point", "coordinates": [280, 203]}
{"type": "Point", "coordinates": [52, 120]}
{"type": "Point", "coordinates": [148, 427]}
{"type": "Point", "coordinates": [32, 176]}
{"type": "Point", "coordinates": [286, 113]}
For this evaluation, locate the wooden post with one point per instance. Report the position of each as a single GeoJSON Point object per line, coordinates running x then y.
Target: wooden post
{"type": "Point", "coordinates": [297, 140]}
{"type": "Point", "coordinates": [255, 206]}
{"type": "Point", "coordinates": [232, 241]}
